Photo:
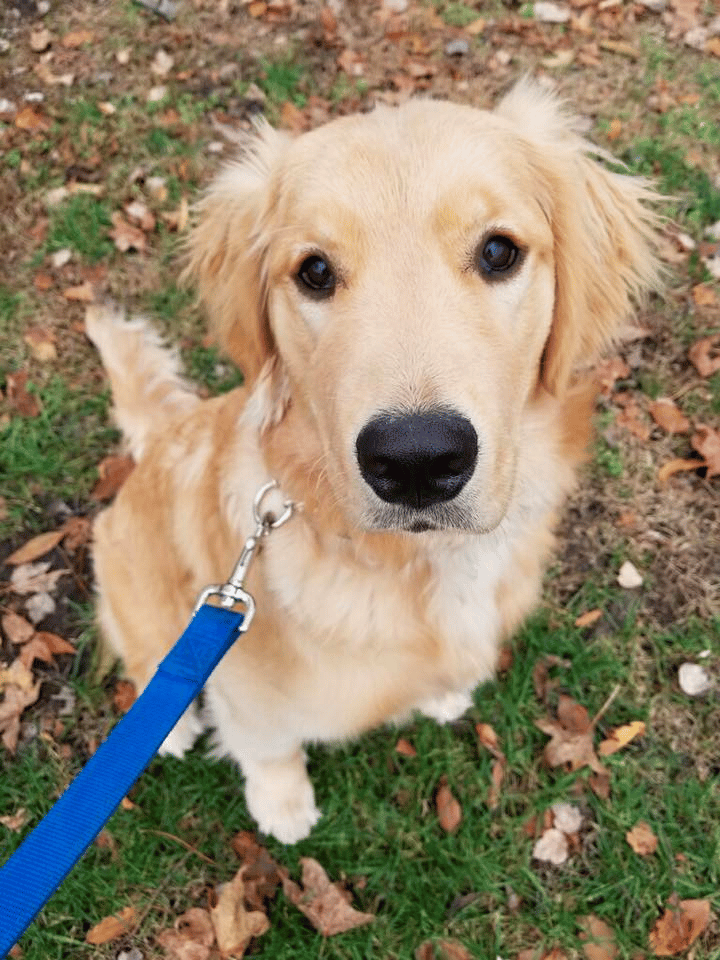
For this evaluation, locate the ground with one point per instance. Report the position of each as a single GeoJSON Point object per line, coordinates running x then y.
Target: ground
{"type": "Point", "coordinates": [112, 118]}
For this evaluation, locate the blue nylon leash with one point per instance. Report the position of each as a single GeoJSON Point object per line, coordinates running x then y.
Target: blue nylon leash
{"type": "Point", "coordinates": [38, 867]}
{"type": "Point", "coordinates": [48, 854]}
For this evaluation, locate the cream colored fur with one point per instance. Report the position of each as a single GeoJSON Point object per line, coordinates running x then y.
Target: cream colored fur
{"type": "Point", "coordinates": [359, 621]}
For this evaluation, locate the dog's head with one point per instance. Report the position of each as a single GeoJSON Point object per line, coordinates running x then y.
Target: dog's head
{"type": "Point", "coordinates": [412, 278]}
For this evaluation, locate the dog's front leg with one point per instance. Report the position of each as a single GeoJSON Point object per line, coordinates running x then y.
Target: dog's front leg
{"type": "Point", "coordinates": [279, 795]}
{"type": "Point", "coordinates": [278, 792]}
{"type": "Point", "coordinates": [446, 707]}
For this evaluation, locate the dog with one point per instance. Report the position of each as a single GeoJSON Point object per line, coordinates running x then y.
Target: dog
{"type": "Point", "coordinates": [410, 294]}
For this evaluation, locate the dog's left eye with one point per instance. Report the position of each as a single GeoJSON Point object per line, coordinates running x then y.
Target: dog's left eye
{"type": "Point", "coordinates": [316, 275]}
{"type": "Point", "coordinates": [497, 255]}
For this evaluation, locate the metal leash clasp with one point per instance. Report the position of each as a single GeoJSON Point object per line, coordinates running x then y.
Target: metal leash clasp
{"type": "Point", "coordinates": [233, 592]}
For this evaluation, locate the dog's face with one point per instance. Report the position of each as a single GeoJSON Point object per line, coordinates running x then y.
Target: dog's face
{"type": "Point", "coordinates": [413, 277]}
{"type": "Point", "coordinates": [410, 299]}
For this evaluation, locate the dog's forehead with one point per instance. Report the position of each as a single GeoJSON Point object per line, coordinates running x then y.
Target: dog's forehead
{"type": "Point", "coordinates": [407, 158]}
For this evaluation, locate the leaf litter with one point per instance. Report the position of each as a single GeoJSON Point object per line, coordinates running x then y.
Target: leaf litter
{"type": "Point", "coordinates": [679, 18]}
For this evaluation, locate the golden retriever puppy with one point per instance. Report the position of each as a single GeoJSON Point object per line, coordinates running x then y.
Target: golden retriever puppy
{"type": "Point", "coordinates": [409, 293]}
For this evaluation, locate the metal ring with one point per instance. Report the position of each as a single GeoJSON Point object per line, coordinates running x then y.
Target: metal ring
{"type": "Point", "coordinates": [268, 521]}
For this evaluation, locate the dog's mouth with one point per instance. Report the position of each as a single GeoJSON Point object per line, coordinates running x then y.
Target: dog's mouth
{"type": "Point", "coordinates": [420, 526]}
{"type": "Point", "coordinates": [440, 517]}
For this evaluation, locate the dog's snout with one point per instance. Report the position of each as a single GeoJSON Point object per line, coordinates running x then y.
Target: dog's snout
{"type": "Point", "coordinates": [417, 459]}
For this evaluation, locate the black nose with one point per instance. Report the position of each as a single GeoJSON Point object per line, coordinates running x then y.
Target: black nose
{"type": "Point", "coordinates": [417, 459]}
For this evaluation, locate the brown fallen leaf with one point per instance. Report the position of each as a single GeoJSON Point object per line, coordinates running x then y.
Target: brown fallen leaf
{"type": "Point", "coordinates": [572, 715]}
{"type": "Point", "coordinates": [36, 547]}
{"type": "Point", "coordinates": [505, 659]}
{"type": "Point", "coordinates": [78, 533]}
{"type": "Point", "coordinates": [448, 807]}
{"type": "Point", "coordinates": [620, 737]}
{"type": "Point", "coordinates": [679, 927]}
{"type": "Point", "coordinates": [588, 618]}
{"type": "Point", "coordinates": [542, 682]}
{"type": "Point", "coordinates": [82, 293]}
{"type": "Point", "coordinates": [631, 418]}
{"type": "Point", "coordinates": [113, 472]}
{"type": "Point", "coordinates": [615, 128]}
{"type": "Point", "coordinates": [191, 937]}
{"type": "Point", "coordinates": [405, 748]}
{"type": "Point", "coordinates": [571, 738]}
{"type": "Point", "coordinates": [55, 644]}
{"type": "Point", "coordinates": [666, 414]}
{"type": "Point", "coordinates": [610, 370]}
{"type": "Point", "coordinates": [140, 214]}
{"type": "Point", "coordinates": [77, 38]}
{"type": "Point", "coordinates": [112, 927]}
{"type": "Point", "coordinates": [620, 47]}
{"type": "Point", "coordinates": [40, 39]}
{"type": "Point", "coordinates": [706, 440]}
{"type": "Point", "coordinates": [19, 397]}
{"type": "Point", "coordinates": [497, 775]}
{"type": "Point", "coordinates": [261, 873]}
{"type": "Point", "coordinates": [442, 950]}
{"type": "Point", "coordinates": [35, 649]}
{"type": "Point", "coordinates": [125, 236]}
{"type": "Point", "coordinates": [703, 295]}
{"type": "Point", "coordinates": [124, 695]}
{"type": "Point", "coordinates": [17, 674]}
{"type": "Point", "coordinates": [642, 839]}
{"type": "Point", "coordinates": [16, 628]}
{"type": "Point", "coordinates": [677, 465]}
{"type": "Point", "coordinates": [41, 342]}
{"type": "Point", "coordinates": [12, 705]}
{"type": "Point", "coordinates": [598, 939]}
{"type": "Point", "coordinates": [30, 578]}
{"type": "Point", "coordinates": [351, 62]}
{"type": "Point", "coordinates": [29, 119]}
{"type": "Point", "coordinates": [325, 904]}
{"type": "Point", "coordinates": [234, 925]}
{"type": "Point", "coordinates": [489, 739]}
{"type": "Point", "coordinates": [15, 821]}
{"type": "Point", "coordinates": [43, 282]}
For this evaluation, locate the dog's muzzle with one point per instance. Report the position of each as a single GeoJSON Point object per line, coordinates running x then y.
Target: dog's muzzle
{"type": "Point", "coordinates": [417, 460]}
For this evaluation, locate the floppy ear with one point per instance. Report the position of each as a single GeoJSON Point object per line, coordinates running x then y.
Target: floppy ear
{"type": "Point", "coordinates": [226, 252]}
{"type": "Point", "coordinates": [605, 234]}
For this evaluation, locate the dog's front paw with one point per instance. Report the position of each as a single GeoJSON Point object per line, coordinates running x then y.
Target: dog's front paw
{"type": "Point", "coordinates": [183, 735]}
{"type": "Point", "coordinates": [448, 707]}
{"type": "Point", "coordinates": [280, 798]}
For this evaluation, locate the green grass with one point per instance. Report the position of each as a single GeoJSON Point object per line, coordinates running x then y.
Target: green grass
{"type": "Point", "coordinates": [379, 824]}
{"type": "Point", "coordinates": [699, 199]}
{"type": "Point", "coordinates": [9, 303]}
{"type": "Point", "coordinates": [379, 832]}
{"type": "Point", "coordinates": [81, 223]}
{"type": "Point", "coordinates": [205, 365]}
{"type": "Point", "coordinates": [282, 80]}
{"type": "Point", "coordinates": [458, 14]}
{"type": "Point", "coordinates": [33, 472]}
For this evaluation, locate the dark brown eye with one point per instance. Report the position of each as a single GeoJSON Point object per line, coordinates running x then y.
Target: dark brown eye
{"type": "Point", "coordinates": [316, 275]}
{"type": "Point", "coordinates": [497, 255]}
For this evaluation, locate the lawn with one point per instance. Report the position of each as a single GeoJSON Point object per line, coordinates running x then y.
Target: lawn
{"type": "Point", "coordinates": [112, 118]}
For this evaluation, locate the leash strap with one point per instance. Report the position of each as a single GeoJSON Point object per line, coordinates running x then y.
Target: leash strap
{"type": "Point", "coordinates": [47, 855]}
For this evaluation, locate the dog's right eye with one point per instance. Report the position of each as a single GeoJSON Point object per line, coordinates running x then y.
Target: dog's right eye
{"type": "Point", "coordinates": [316, 275]}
